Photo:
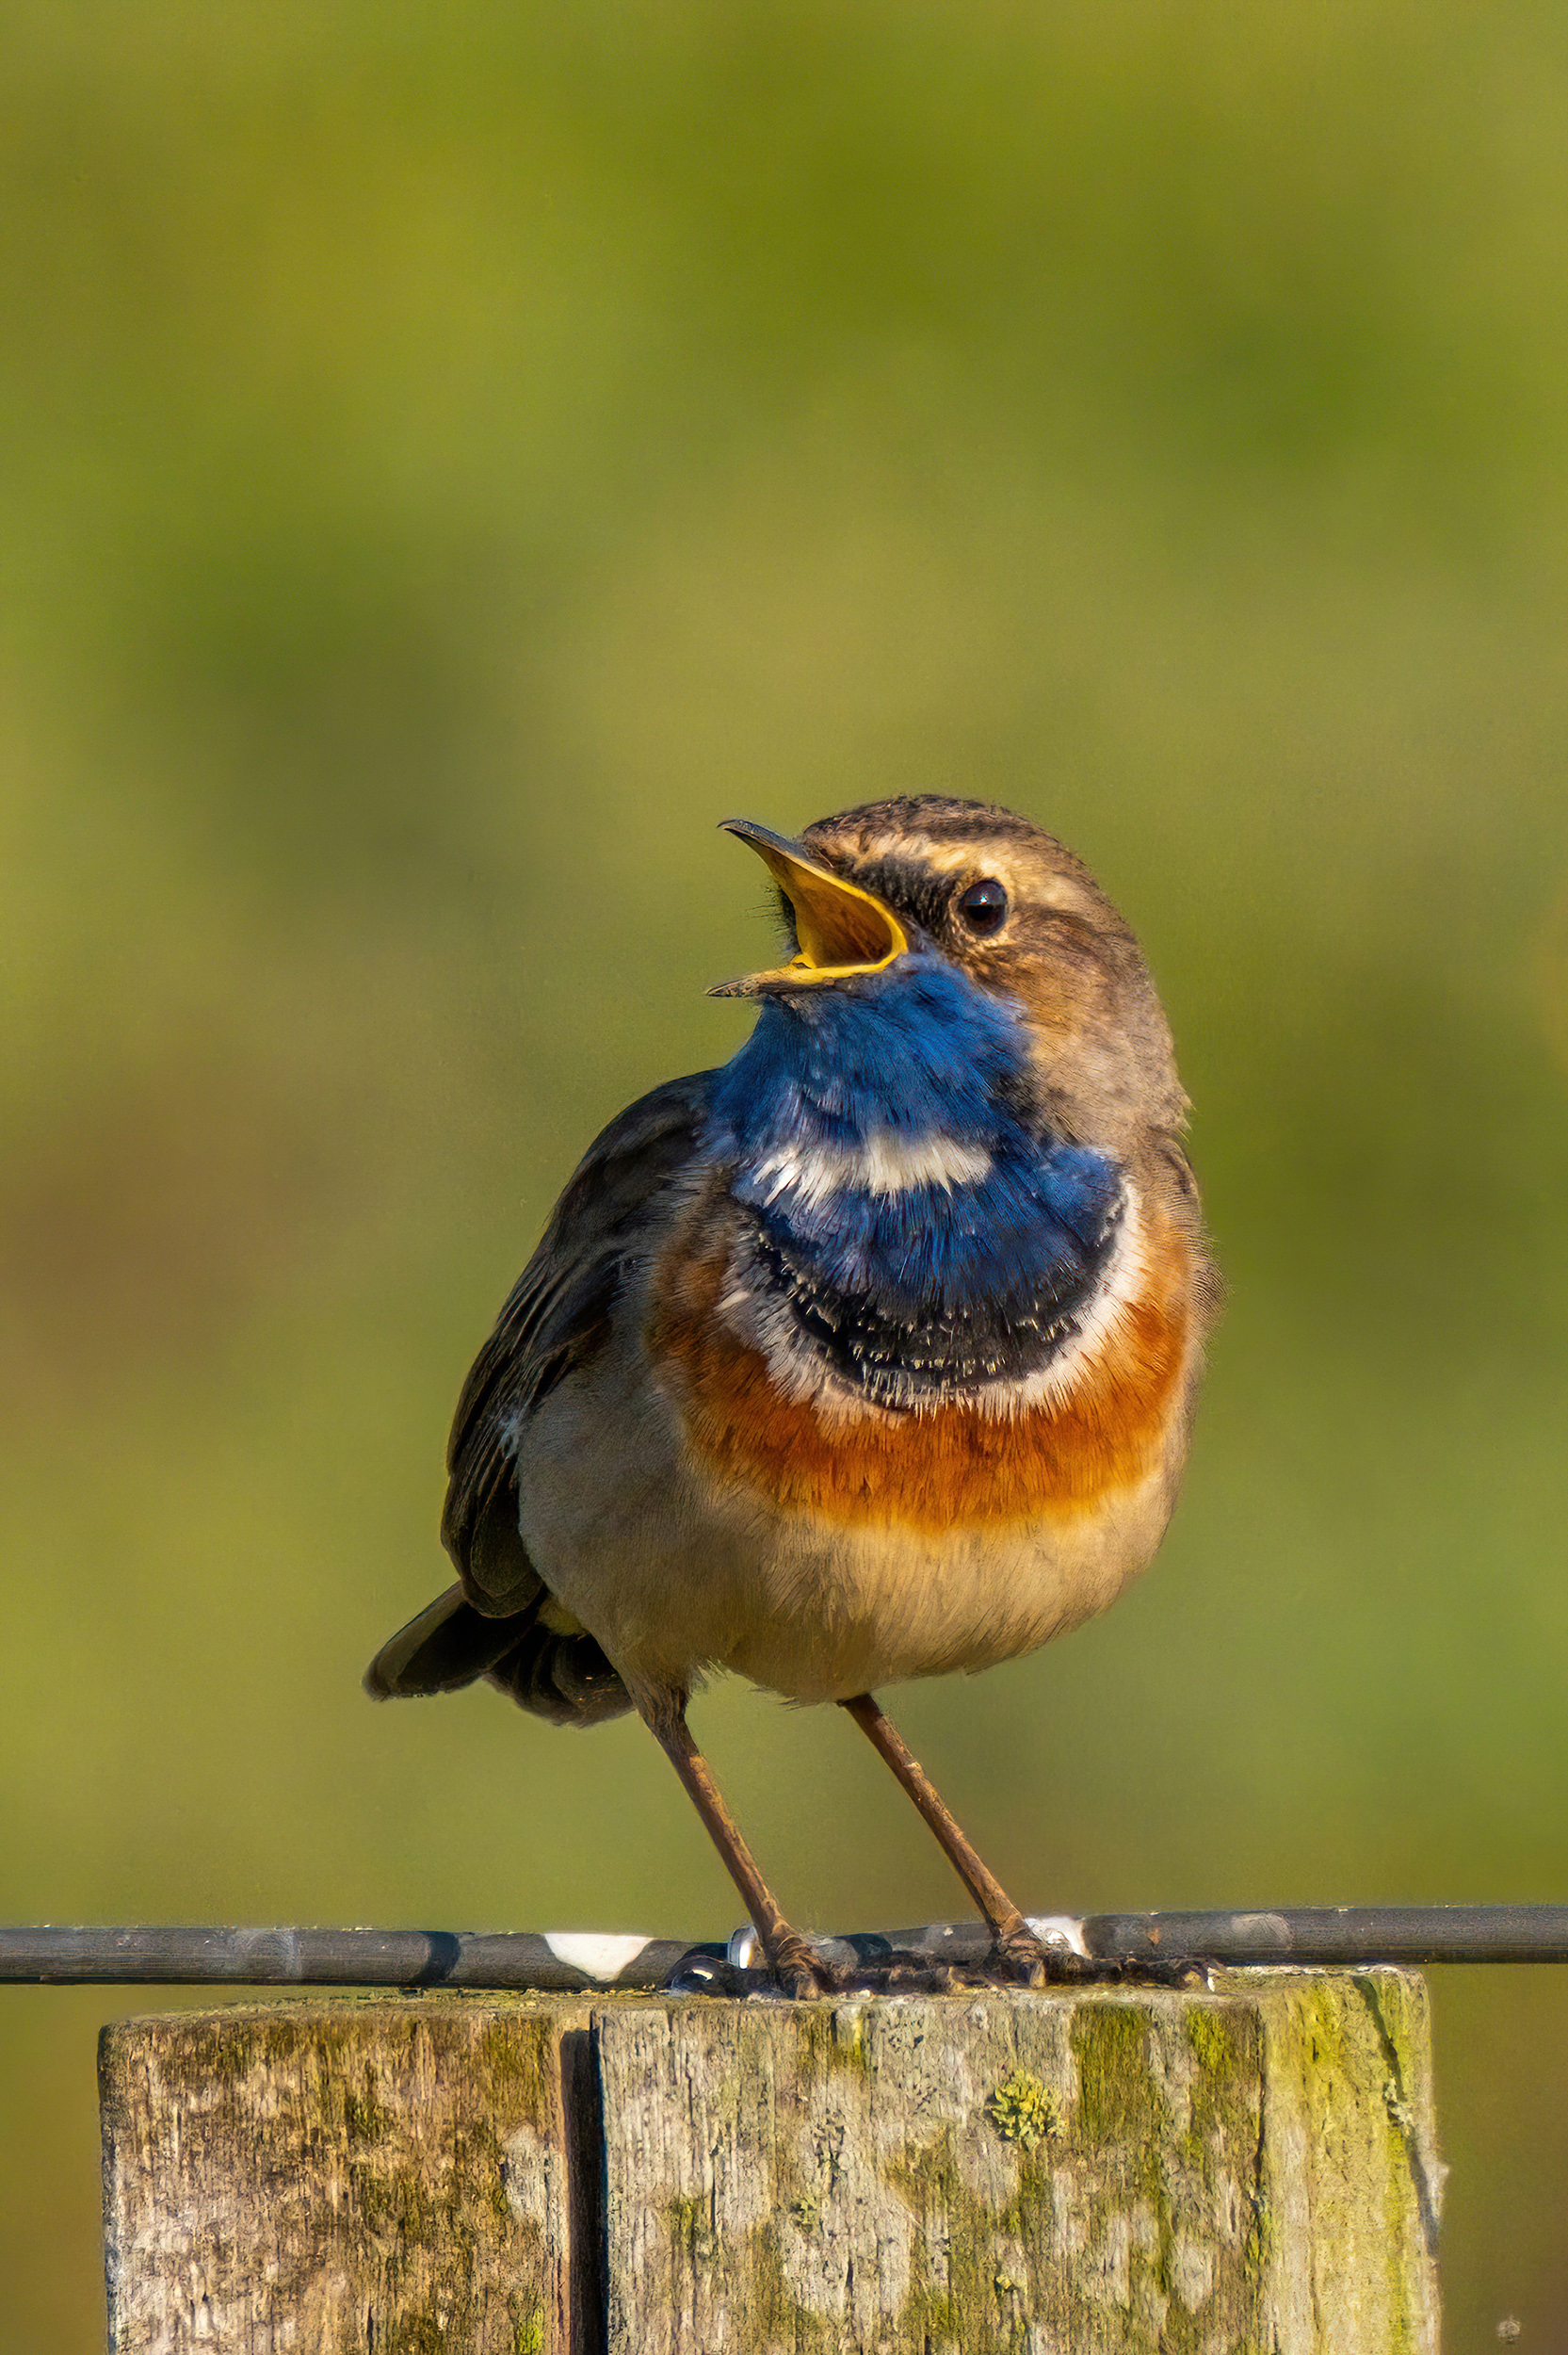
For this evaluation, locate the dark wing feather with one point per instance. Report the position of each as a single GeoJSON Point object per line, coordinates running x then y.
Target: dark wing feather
{"type": "Point", "coordinates": [558, 1316]}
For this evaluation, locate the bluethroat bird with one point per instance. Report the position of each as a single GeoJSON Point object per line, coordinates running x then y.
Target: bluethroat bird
{"type": "Point", "coordinates": [868, 1355]}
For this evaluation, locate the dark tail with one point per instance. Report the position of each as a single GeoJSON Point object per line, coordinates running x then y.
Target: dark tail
{"type": "Point", "coordinates": [564, 1677]}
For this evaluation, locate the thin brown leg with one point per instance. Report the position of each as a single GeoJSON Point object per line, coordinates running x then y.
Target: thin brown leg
{"type": "Point", "coordinates": [1016, 1940]}
{"type": "Point", "coordinates": [789, 1955]}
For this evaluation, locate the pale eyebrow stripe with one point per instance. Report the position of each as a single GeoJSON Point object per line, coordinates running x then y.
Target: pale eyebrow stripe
{"type": "Point", "coordinates": [1022, 883]}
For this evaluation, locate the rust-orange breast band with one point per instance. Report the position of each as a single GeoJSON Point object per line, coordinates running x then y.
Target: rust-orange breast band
{"type": "Point", "coordinates": [949, 1466]}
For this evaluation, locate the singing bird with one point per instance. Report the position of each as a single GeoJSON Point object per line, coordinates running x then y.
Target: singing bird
{"type": "Point", "coordinates": [869, 1354]}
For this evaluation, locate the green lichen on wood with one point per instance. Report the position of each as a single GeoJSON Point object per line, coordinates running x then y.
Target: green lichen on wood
{"type": "Point", "coordinates": [897, 2216]}
{"type": "Point", "coordinates": [1149, 2222]}
{"type": "Point", "coordinates": [1023, 2110]}
{"type": "Point", "coordinates": [1220, 2039]}
{"type": "Point", "coordinates": [1349, 2078]}
{"type": "Point", "coordinates": [827, 2041]}
{"type": "Point", "coordinates": [420, 2333]}
{"type": "Point", "coordinates": [848, 2049]}
{"type": "Point", "coordinates": [956, 2256]}
{"type": "Point", "coordinates": [372, 2143]}
{"type": "Point", "coordinates": [366, 2118]}
{"type": "Point", "coordinates": [1111, 2045]}
{"type": "Point", "coordinates": [519, 2051]}
{"type": "Point", "coordinates": [743, 2276]}
{"type": "Point", "coordinates": [218, 2048]}
{"type": "Point", "coordinates": [1170, 2119]}
{"type": "Point", "coordinates": [1118, 2171]}
{"type": "Point", "coordinates": [1411, 2175]}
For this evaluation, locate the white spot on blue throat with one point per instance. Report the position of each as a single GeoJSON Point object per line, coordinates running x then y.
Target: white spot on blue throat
{"type": "Point", "coordinates": [883, 1162]}
{"type": "Point", "coordinates": [917, 1230]}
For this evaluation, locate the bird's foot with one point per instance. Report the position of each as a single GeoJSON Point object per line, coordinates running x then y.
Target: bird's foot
{"type": "Point", "coordinates": [1022, 1957]}
{"type": "Point", "coordinates": [798, 1971]}
{"type": "Point", "coordinates": [1182, 1970]}
{"type": "Point", "coordinates": [793, 1968]}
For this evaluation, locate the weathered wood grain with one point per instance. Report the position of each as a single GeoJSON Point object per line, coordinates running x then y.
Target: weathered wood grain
{"type": "Point", "coordinates": [340, 2179]}
{"type": "Point", "coordinates": [1248, 2171]}
{"type": "Point", "coordinates": [1142, 2171]}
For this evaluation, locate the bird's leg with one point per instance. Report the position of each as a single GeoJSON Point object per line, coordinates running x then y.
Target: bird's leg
{"type": "Point", "coordinates": [1016, 1943]}
{"type": "Point", "coordinates": [795, 1966]}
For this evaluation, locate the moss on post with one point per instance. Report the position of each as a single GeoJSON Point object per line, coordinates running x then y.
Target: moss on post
{"type": "Point", "coordinates": [336, 2176]}
{"type": "Point", "coordinates": [1244, 2170]}
{"type": "Point", "coordinates": [1152, 2172]}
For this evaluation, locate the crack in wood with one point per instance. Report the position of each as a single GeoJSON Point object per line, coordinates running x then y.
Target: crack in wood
{"type": "Point", "coordinates": [1214, 2172]}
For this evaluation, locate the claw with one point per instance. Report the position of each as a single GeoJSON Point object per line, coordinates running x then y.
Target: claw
{"type": "Point", "coordinates": [1022, 1957]}
{"type": "Point", "coordinates": [800, 1973]}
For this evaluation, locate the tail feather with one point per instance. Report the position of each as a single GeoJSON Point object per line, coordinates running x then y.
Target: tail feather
{"type": "Point", "coordinates": [565, 1678]}
{"type": "Point", "coordinates": [445, 1648]}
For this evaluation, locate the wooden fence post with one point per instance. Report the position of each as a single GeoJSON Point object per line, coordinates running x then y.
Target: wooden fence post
{"type": "Point", "coordinates": [1248, 2171]}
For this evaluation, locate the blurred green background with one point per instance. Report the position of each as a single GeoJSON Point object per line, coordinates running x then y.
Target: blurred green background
{"type": "Point", "coordinates": [452, 457]}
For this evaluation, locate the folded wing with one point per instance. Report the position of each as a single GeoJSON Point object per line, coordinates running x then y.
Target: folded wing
{"type": "Point", "coordinates": [500, 1620]}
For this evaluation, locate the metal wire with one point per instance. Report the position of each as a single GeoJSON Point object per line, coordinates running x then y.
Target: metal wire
{"type": "Point", "coordinates": [152, 1954]}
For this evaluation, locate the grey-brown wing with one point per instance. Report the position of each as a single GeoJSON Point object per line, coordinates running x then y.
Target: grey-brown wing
{"type": "Point", "coordinates": [558, 1316]}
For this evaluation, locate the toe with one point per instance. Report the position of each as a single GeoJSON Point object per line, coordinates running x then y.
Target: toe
{"type": "Point", "coordinates": [802, 1981]}
{"type": "Point", "coordinates": [1028, 1961]}
{"type": "Point", "coordinates": [800, 1972]}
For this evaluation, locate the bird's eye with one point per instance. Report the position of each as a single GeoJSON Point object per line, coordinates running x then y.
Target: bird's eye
{"type": "Point", "coordinates": [983, 906]}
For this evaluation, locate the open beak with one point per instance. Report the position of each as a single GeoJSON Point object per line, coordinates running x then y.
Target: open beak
{"type": "Point", "coordinates": [841, 929]}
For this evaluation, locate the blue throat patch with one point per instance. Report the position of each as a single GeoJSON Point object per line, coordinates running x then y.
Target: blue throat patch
{"type": "Point", "coordinates": [917, 1293]}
